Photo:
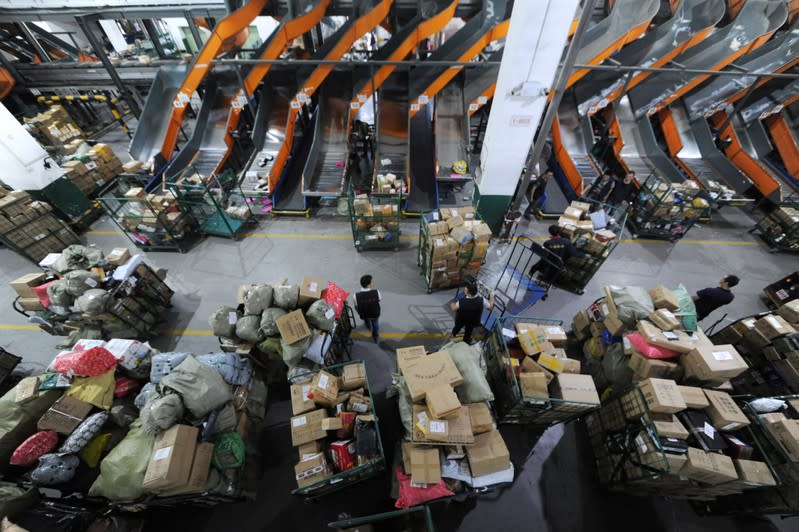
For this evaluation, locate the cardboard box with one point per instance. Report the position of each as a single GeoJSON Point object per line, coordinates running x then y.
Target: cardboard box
{"type": "Point", "coordinates": [710, 468]}
{"type": "Point", "coordinates": [171, 459]}
{"type": "Point", "coordinates": [720, 362]}
{"type": "Point", "coordinates": [459, 429]}
{"type": "Point", "coordinates": [435, 368]}
{"type": "Point", "coordinates": [662, 297]}
{"type": "Point", "coordinates": [312, 470]}
{"type": "Point", "coordinates": [31, 304]}
{"type": "Point", "coordinates": [533, 385]}
{"type": "Point", "coordinates": [343, 453]}
{"type": "Point", "coordinates": [407, 355]}
{"type": "Point", "coordinates": [529, 365]}
{"type": "Point", "coordinates": [694, 397]}
{"type": "Point", "coordinates": [332, 423]}
{"type": "Point", "coordinates": [554, 334]}
{"type": "Point", "coordinates": [570, 365]}
{"type": "Point", "coordinates": [581, 321]}
{"type": "Point", "coordinates": [65, 415]}
{"type": "Point", "coordinates": [27, 390]}
{"type": "Point", "coordinates": [786, 431]}
{"type": "Point", "coordinates": [614, 325]}
{"type": "Point", "coordinates": [737, 449]}
{"type": "Point", "coordinates": [23, 286]}
{"type": "Point", "coordinates": [309, 450]}
{"type": "Point", "coordinates": [651, 367]}
{"type": "Point", "coordinates": [200, 468]}
{"type": "Point", "coordinates": [790, 311]}
{"type": "Point", "coordinates": [442, 402]}
{"type": "Point", "coordinates": [353, 376]}
{"type": "Point", "coordinates": [772, 417]}
{"type": "Point", "coordinates": [293, 327]}
{"type": "Point", "coordinates": [118, 256]}
{"type": "Point", "coordinates": [489, 454]}
{"type": "Point", "coordinates": [551, 362]}
{"type": "Point", "coordinates": [723, 412]}
{"type": "Point", "coordinates": [669, 426]}
{"type": "Point", "coordinates": [578, 388]}
{"type": "Point", "coordinates": [530, 338]}
{"type": "Point", "coordinates": [310, 290]}
{"type": "Point", "coordinates": [665, 319]}
{"type": "Point", "coordinates": [597, 328]}
{"type": "Point", "coordinates": [754, 473]}
{"type": "Point", "coordinates": [662, 396]}
{"type": "Point", "coordinates": [424, 464]}
{"type": "Point", "coordinates": [774, 326]}
{"type": "Point", "coordinates": [308, 427]}
{"type": "Point", "coordinates": [324, 389]}
{"type": "Point", "coordinates": [299, 399]}
{"type": "Point", "coordinates": [481, 418]}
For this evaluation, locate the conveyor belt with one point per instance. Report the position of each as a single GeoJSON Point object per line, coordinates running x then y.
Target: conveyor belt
{"type": "Point", "coordinates": [391, 152]}
{"type": "Point", "coordinates": [577, 139]}
{"type": "Point", "coordinates": [423, 193]}
{"type": "Point", "coordinates": [755, 141]}
{"type": "Point", "coordinates": [154, 120]}
{"type": "Point", "coordinates": [451, 127]}
{"type": "Point", "coordinates": [690, 154]}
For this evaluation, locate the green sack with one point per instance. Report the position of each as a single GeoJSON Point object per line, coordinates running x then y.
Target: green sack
{"type": "Point", "coordinates": [17, 422]}
{"type": "Point", "coordinates": [687, 310]}
{"type": "Point", "coordinates": [269, 321]}
{"type": "Point", "coordinates": [286, 296]}
{"type": "Point", "coordinates": [633, 304]}
{"type": "Point", "coordinates": [229, 450]}
{"type": "Point", "coordinates": [78, 281]}
{"type": "Point", "coordinates": [223, 321]}
{"type": "Point", "coordinates": [321, 315]}
{"type": "Point", "coordinates": [248, 329]}
{"type": "Point", "coordinates": [201, 387]}
{"type": "Point", "coordinates": [467, 359]}
{"type": "Point", "coordinates": [122, 471]}
{"type": "Point", "coordinates": [405, 403]}
{"type": "Point", "coordinates": [78, 257]}
{"type": "Point", "coordinates": [293, 353]}
{"type": "Point", "coordinates": [616, 367]}
{"type": "Point", "coordinates": [257, 299]}
{"type": "Point", "coordinates": [271, 348]}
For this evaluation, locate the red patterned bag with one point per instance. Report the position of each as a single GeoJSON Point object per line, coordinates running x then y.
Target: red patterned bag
{"type": "Point", "coordinates": [31, 449]}
{"type": "Point", "coordinates": [41, 293]}
{"type": "Point", "coordinates": [125, 385]}
{"type": "Point", "coordinates": [335, 296]}
{"type": "Point", "coordinates": [649, 350]}
{"type": "Point", "coordinates": [410, 495]}
{"type": "Point", "coordinates": [88, 363]}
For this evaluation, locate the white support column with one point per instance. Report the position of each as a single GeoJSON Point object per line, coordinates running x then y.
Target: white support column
{"type": "Point", "coordinates": [23, 157]}
{"type": "Point", "coordinates": [538, 32]}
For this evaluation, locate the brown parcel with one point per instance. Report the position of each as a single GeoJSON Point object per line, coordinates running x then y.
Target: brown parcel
{"type": "Point", "coordinates": [407, 355]}
{"type": "Point", "coordinates": [723, 412]}
{"type": "Point", "coordinates": [200, 467]}
{"type": "Point", "coordinates": [23, 286]}
{"type": "Point", "coordinates": [308, 427]}
{"type": "Point", "coordinates": [353, 376]}
{"type": "Point", "coordinates": [710, 468]}
{"type": "Point", "coordinates": [554, 334]}
{"type": "Point", "coordinates": [442, 402]}
{"type": "Point", "coordinates": [773, 326]}
{"type": "Point", "coordinates": [720, 362]}
{"type": "Point", "coordinates": [459, 429]}
{"type": "Point", "coordinates": [435, 368]}
{"type": "Point", "coordinates": [480, 417]}
{"type": "Point", "coordinates": [332, 423]}
{"type": "Point", "coordinates": [665, 319]}
{"type": "Point", "coordinates": [118, 256]}
{"type": "Point", "coordinates": [309, 450]}
{"type": "Point", "coordinates": [311, 470]}
{"type": "Point", "coordinates": [786, 431]}
{"type": "Point", "coordinates": [531, 366]}
{"type": "Point", "coordinates": [299, 399]}
{"type": "Point", "coordinates": [614, 325]}
{"type": "Point", "coordinates": [293, 327]}
{"type": "Point", "coordinates": [694, 397]}
{"type": "Point", "coordinates": [651, 367]}
{"type": "Point", "coordinates": [324, 389]}
{"type": "Point", "coordinates": [489, 454]}
{"type": "Point", "coordinates": [27, 390]}
{"type": "Point", "coordinates": [669, 426]}
{"type": "Point", "coordinates": [170, 461]}
{"type": "Point", "coordinates": [754, 473]}
{"type": "Point", "coordinates": [310, 290]}
{"type": "Point", "coordinates": [533, 385]}
{"type": "Point", "coordinates": [662, 297]}
{"type": "Point", "coordinates": [790, 311]}
{"type": "Point", "coordinates": [424, 464]}
{"type": "Point", "coordinates": [579, 388]}
{"type": "Point", "coordinates": [65, 415]}
{"type": "Point", "coordinates": [662, 396]}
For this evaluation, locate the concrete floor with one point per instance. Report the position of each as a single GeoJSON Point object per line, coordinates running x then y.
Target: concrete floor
{"type": "Point", "coordinates": [555, 488]}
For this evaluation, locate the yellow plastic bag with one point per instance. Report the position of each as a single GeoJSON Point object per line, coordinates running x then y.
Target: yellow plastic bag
{"type": "Point", "coordinates": [98, 391]}
{"type": "Point", "coordinates": [94, 449]}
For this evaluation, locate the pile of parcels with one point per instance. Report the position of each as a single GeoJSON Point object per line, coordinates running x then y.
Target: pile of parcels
{"type": "Point", "coordinates": [93, 169]}
{"type": "Point", "coordinates": [31, 227]}
{"type": "Point", "coordinates": [457, 245]}
{"type": "Point", "coordinates": [147, 214]}
{"type": "Point", "coordinates": [388, 184]}
{"type": "Point", "coordinates": [376, 220]}
{"type": "Point", "coordinates": [770, 343]}
{"type": "Point", "coordinates": [686, 442]}
{"type": "Point", "coordinates": [781, 226]}
{"type": "Point", "coordinates": [593, 233]}
{"type": "Point", "coordinates": [334, 426]}
{"type": "Point", "coordinates": [121, 421]}
{"type": "Point", "coordinates": [53, 127]}
{"type": "Point", "coordinates": [538, 360]}
{"type": "Point", "coordinates": [451, 441]}
{"type": "Point", "coordinates": [282, 322]}
{"type": "Point", "coordinates": [669, 206]}
{"type": "Point", "coordinates": [720, 192]}
{"type": "Point", "coordinates": [84, 293]}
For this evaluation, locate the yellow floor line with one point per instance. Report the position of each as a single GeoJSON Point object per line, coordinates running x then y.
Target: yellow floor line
{"type": "Point", "coordinates": [14, 327]}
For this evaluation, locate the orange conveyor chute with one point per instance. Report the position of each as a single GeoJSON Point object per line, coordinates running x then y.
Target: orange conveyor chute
{"type": "Point", "coordinates": [499, 31]}
{"type": "Point", "coordinates": [673, 142]}
{"type": "Point", "coordinates": [762, 180]}
{"type": "Point", "coordinates": [565, 161]}
{"type": "Point", "coordinates": [785, 142]}
{"type": "Point", "coordinates": [361, 26]}
{"type": "Point", "coordinates": [278, 43]}
{"type": "Point", "coordinates": [488, 94]}
{"type": "Point", "coordinates": [6, 83]}
{"type": "Point", "coordinates": [225, 32]}
{"type": "Point", "coordinates": [422, 32]}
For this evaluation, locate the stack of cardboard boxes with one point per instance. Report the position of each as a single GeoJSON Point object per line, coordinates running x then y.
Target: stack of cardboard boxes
{"type": "Point", "coordinates": [770, 343]}
{"type": "Point", "coordinates": [375, 220]}
{"type": "Point", "coordinates": [780, 227]}
{"type": "Point", "coordinates": [590, 233]}
{"type": "Point", "coordinates": [456, 246]}
{"type": "Point", "coordinates": [30, 227]}
{"type": "Point", "coordinates": [686, 443]}
{"type": "Point", "coordinates": [92, 171]}
{"type": "Point", "coordinates": [54, 127]}
{"type": "Point", "coordinates": [154, 216]}
{"type": "Point", "coordinates": [667, 208]}
{"type": "Point", "coordinates": [333, 426]}
{"type": "Point", "coordinates": [448, 439]}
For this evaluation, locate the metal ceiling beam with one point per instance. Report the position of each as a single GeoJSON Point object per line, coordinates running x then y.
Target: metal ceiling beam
{"type": "Point", "coordinates": [53, 40]}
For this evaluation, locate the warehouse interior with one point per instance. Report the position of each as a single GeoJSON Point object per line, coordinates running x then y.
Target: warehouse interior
{"type": "Point", "coordinates": [168, 164]}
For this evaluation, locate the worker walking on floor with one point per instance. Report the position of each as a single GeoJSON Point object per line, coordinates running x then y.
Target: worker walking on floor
{"type": "Point", "coordinates": [709, 299]}
{"type": "Point", "coordinates": [367, 303]}
{"type": "Point", "coordinates": [469, 310]}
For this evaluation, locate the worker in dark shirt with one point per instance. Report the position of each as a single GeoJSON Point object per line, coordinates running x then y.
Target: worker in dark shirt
{"type": "Point", "coordinates": [367, 303]}
{"type": "Point", "coordinates": [469, 311]}
{"type": "Point", "coordinates": [536, 194]}
{"type": "Point", "coordinates": [559, 245]}
{"type": "Point", "coordinates": [623, 189]}
{"type": "Point", "coordinates": [709, 299]}
{"type": "Point", "coordinates": [601, 187]}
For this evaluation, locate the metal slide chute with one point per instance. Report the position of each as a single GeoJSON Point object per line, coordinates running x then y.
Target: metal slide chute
{"type": "Point", "coordinates": [627, 21]}
{"type": "Point", "coordinates": [572, 140]}
{"type": "Point", "coordinates": [367, 15]}
{"type": "Point", "coordinates": [785, 141]}
{"type": "Point", "coordinates": [451, 129]}
{"type": "Point", "coordinates": [692, 22]}
{"type": "Point", "coordinates": [754, 25]}
{"type": "Point", "coordinates": [391, 125]}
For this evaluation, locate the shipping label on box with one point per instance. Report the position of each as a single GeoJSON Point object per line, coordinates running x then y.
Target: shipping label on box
{"type": "Point", "coordinates": [459, 429]}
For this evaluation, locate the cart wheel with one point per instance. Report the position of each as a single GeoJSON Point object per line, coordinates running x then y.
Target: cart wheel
{"type": "Point", "coordinates": [544, 297]}
{"type": "Point", "coordinates": [429, 290]}
{"type": "Point", "coordinates": [580, 292]}
{"type": "Point", "coordinates": [358, 249]}
{"type": "Point", "coordinates": [634, 236]}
